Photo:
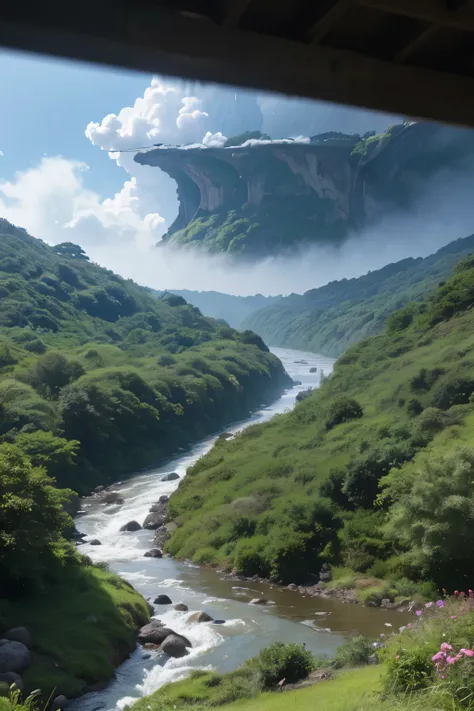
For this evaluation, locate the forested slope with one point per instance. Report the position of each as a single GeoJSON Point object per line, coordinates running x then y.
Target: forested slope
{"type": "Point", "coordinates": [99, 378]}
{"type": "Point", "coordinates": [329, 319]}
{"type": "Point", "coordinates": [373, 472]}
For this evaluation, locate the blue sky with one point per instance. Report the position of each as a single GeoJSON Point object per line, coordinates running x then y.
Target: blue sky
{"type": "Point", "coordinates": [47, 105]}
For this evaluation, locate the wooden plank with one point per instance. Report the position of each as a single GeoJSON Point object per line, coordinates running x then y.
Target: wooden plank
{"type": "Point", "coordinates": [153, 40]}
{"type": "Point", "coordinates": [416, 43]}
{"type": "Point", "coordinates": [431, 11]}
{"type": "Point", "coordinates": [235, 12]}
{"type": "Point", "coordinates": [328, 19]}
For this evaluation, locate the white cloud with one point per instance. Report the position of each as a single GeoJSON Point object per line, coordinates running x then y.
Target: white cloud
{"type": "Point", "coordinates": [52, 202]}
{"type": "Point", "coordinates": [214, 140]}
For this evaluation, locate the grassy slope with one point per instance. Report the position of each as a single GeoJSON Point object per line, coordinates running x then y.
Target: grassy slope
{"type": "Point", "coordinates": [82, 628]}
{"type": "Point", "coordinates": [330, 319]}
{"type": "Point", "coordinates": [155, 371]}
{"type": "Point", "coordinates": [255, 502]}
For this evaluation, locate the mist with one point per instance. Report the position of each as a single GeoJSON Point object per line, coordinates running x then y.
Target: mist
{"type": "Point", "coordinates": [444, 213]}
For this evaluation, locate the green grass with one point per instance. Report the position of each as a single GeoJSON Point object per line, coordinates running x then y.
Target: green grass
{"type": "Point", "coordinates": [82, 628]}
{"type": "Point", "coordinates": [284, 497]}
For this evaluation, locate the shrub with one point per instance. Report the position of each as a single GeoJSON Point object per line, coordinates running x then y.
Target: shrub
{"type": "Point", "coordinates": [454, 389]}
{"type": "Point", "coordinates": [304, 394]}
{"type": "Point", "coordinates": [342, 410]}
{"type": "Point", "coordinates": [414, 407]}
{"type": "Point", "coordinates": [353, 653]}
{"type": "Point", "coordinates": [291, 662]}
{"type": "Point", "coordinates": [410, 670]}
{"type": "Point", "coordinates": [35, 346]}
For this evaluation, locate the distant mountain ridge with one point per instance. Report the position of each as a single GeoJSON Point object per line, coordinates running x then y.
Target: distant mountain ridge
{"type": "Point", "coordinates": [330, 318]}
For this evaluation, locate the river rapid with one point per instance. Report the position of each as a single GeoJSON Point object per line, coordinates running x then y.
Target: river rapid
{"type": "Point", "coordinates": [289, 617]}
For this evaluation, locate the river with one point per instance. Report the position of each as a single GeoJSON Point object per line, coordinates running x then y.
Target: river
{"type": "Point", "coordinates": [321, 624]}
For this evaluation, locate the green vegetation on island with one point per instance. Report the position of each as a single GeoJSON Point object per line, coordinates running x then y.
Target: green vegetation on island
{"type": "Point", "coordinates": [372, 473]}
{"type": "Point", "coordinates": [331, 318]}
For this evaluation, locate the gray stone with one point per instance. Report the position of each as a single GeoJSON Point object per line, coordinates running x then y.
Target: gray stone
{"type": "Point", "coordinates": [218, 622]}
{"type": "Point", "coordinates": [313, 370]}
{"type": "Point", "coordinates": [163, 499]}
{"type": "Point", "coordinates": [154, 520]}
{"type": "Point", "coordinates": [181, 607]}
{"type": "Point", "coordinates": [60, 702]}
{"type": "Point", "coordinates": [258, 601]}
{"type": "Point", "coordinates": [12, 678]}
{"type": "Point", "coordinates": [131, 526]}
{"type": "Point", "coordinates": [14, 656]}
{"type": "Point", "coordinates": [150, 632]}
{"type": "Point", "coordinates": [18, 634]}
{"type": "Point", "coordinates": [373, 659]}
{"type": "Point", "coordinates": [170, 477]}
{"type": "Point", "coordinates": [99, 489]}
{"type": "Point", "coordinates": [112, 497]}
{"type": "Point", "coordinates": [162, 600]}
{"type": "Point", "coordinates": [95, 542]}
{"type": "Point", "coordinates": [199, 617]}
{"type": "Point", "coordinates": [325, 576]}
{"type": "Point", "coordinates": [153, 553]}
{"type": "Point", "coordinates": [175, 646]}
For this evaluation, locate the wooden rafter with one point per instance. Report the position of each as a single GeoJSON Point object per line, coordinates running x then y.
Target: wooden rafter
{"type": "Point", "coordinates": [235, 12]}
{"type": "Point", "coordinates": [330, 14]}
{"type": "Point", "coordinates": [426, 10]}
{"type": "Point", "coordinates": [416, 43]}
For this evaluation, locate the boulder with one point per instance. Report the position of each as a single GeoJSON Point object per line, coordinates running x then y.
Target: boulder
{"type": "Point", "coordinates": [10, 678]}
{"type": "Point", "coordinates": [163, 499]}
{"type": "Point", "coordinates": [18, 634]}
{"type": "Point", "coordinates": [157, 508]}
{"type": "Point", "coordinates": [155, 635]}
{"type": "Point", "coordinates": [175, 646]}
{"type": "Point", "coordinates": [170, 477]}
{"type": "Point", "coordinates": [313, 370]}
{"type": "Point", "coordinates": [153, 553]}
{"type": "Point", "coordinates": [258, 601]}
{"type": "Point", "coordinates": [99, 489]}
{"type": "Point", "coordinates": [154, 520]}
{"type": "Point", "coordinates": [60, 702]}
{"type": "Point", "coordinates": [77, 536]}
{"type": "Point", "coordinates": [162, 600]}
{"type": "Point", "coordinates": [14, 657]}
{"type": "Point", "coordinates": [163, 534]}
{"type": "Point", "coordinates": [112, 497]}
{"type": "Point", "coordinates": [218, 622]}
{"type": "Point", "coordinates": [292, 586]}
{"type": "Point", "coordinates": [131, 526]}
{"type": "Point", "coordinates": [199, 617]}
{"type": "Point", "coordinates": [95, 542]}
{"type": "Point", "coordinates": [181, 607]}
{"type": "Point", "coordinates": [325, 576]}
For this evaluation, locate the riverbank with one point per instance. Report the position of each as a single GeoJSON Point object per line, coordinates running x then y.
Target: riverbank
{"type": "Point", "coordinates": [81, 628]}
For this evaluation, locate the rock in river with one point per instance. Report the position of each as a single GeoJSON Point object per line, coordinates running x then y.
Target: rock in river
{"type": "Point", "coordinates": [175, 646]}
{"type": "Point", "coordinates": [95, 542]}
{"type": "Point", "coordinates": [258, 601]}
{"type": "Point", "coordinates": [181, 607]}
{"type": "Point", "coordinates": [12, 678]}
{"type": "Point", "coordinates": [112, 497]}
{"type": "Point", "coordinates": [14, 656]}
{"type": "Point", "coordinates": [154, 635]}
{"type": "Point", "coordinates": [170, 477]}
{"type": "Point", "coordinates": [153, 553]}
{"type": "Point", "coordinates": [18, 634]}
{"type": "Point", "coordinates": [162, 600]}
{"type": "Point", "coordinates": [131, 526]}
{"type": "Point", "coordinates": [199, 617]}
{"type": "Point", "coordinates": [147, 631]}
{"type": "Point", "coordinates": [154, 520]}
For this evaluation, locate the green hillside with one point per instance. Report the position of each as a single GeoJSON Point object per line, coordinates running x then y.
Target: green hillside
{"type": "Point", "coordinates": [329, 319]}
{"type": "Point", "coordinates": [99, 378]}
{"type": "Point", "coordinates": [373, 473]}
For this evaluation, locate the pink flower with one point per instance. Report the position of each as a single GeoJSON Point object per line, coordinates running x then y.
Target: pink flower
{"type": "Point", "coordinates": [471, 592]}
{"type": "Point", "coordinates": [397, 656]}
{"type": "Point", "coordinates": [418, 612]}
{"type": "Point", "coordinates": [438, 657]}
{"type": "Point", "coordinates": [445, 647]}
{"type": "Point", "coordinates": [453, 617]}
{"type": "Point", "coordinates": [443, 676]}
{"type": "Point", "coordinates": [467, 652]}
{"type": "Point", "coordinates": [451, 660]}
{"type": "Point", "coordinates": [409, 626]}
{"type": "Point", "coordinates": [440, 603]}
{"type": "Point", "coordinates": [429, 604]}
{"type": "Point", "coordinates": [462, 594]}
{"type": "Point", "coordinates": [456, 593]}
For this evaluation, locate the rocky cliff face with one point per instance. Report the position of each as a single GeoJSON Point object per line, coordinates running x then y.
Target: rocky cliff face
{"type": "Point", "coordinates": [268, 196]}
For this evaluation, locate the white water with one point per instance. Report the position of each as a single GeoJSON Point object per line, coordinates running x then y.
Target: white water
{"type": "Point", "coordinates": [247, 628]}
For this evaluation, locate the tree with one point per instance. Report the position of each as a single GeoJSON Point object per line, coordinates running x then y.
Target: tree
{"type": "Point", "coordinates": [68, 249]}
{"type": "Point", "coordinates": [32, 521]}
{"type": "Point", "coordinates": [54, 371]}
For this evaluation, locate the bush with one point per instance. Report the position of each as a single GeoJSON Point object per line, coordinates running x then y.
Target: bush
{"type": "Point", "coordinates": [353, 653]}
{"type": "Point", "coordinates": [304, 394]}
{"type": "Point", "coordinates": [291, 662]}
{"type": "Point", "coordinates": [454, 389]}
{"type": "Point", "coordinates": [410, 670]}
{"type": "Point", "coordinates": [342, 410]}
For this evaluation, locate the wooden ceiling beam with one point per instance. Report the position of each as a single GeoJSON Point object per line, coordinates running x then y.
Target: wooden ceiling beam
{"type": "Point", "coordinates": [156, 40]}
{"type": "Point", "coordinates": [416, 43]}
{"type": "Point", "coordinates": [235, 12]}
{"type": "Point", "coordinates": [329, 17]}
{"type": "Point", "coordinates": [427, 11]}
